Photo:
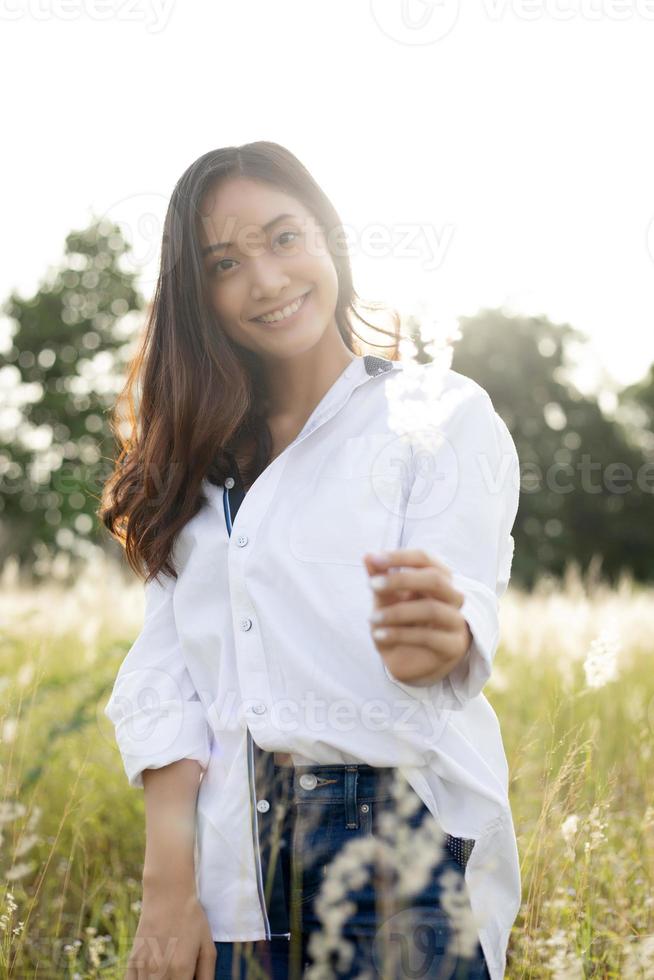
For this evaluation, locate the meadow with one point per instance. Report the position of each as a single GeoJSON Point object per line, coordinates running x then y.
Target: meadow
{"type": "Point", "coordinates": [573, 687]}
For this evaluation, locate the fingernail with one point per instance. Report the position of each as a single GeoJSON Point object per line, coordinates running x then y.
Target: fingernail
{"type": "Point", "coordinates": [378, 581]}
{"type": "Point", "coordinates": [381, 557]}
{"type": "Point", "coordinates": [376, 616]}
{"type": "Point", "coordinates": [380, 634]}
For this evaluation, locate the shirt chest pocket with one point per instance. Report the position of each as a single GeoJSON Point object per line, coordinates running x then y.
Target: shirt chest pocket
{"type": "Point", "coordinates": [355, 504]}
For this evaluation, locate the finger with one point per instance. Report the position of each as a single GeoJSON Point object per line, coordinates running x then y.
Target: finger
{"type": "Point", "coordinates": [374, 563]}
{"type": "Point", "coordinates": [380, 601]}
{"type": "Point", "coordinates": [415, 664]}
{"type": "Point", "coordinates": [421, 611]}
{"type": "Point", "coordinates": [391, 598]}
{"type": "Point", "coordinates": [422, 580]}
{"type": "Point", "coordinates": [433, 641]}
{"type": "Point", "coordinates": [378, 568]}
{"type": "Point", "coordinates": [413, 557]}
{"type": "Point", "coordinates": [206, 965]}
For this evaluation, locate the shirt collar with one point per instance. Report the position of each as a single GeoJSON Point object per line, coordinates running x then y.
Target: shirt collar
{"type": "Point", "coordinates": [362, 369]}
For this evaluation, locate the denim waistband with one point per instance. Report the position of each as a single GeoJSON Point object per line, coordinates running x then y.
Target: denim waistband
{"type": "Point", "coordinates": [335, 782]}
{"type": "Point", "coordinates": [352, 785]}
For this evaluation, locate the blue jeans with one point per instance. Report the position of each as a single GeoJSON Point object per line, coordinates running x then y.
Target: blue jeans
{"type": "Point", "coordinates": [320, 809]}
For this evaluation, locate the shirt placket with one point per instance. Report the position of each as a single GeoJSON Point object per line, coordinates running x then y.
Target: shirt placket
{"type": "Point", "coordinates": [251, 665]}
{"type": "Point", "coordinates": [265, 836]}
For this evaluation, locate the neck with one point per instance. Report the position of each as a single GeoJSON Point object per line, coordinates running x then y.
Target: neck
{"type": "Point", "coordinates": [295, 385]}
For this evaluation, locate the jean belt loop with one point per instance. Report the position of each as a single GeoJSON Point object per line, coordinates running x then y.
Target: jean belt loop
{"type": "Point", "coordinates": [351, 809]}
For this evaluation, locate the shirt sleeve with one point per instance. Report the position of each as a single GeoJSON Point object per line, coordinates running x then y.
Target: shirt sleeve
{"type": "Point", "coordinates": [156, 711]}
{"type": "Point", "coordinates": [462, 512]}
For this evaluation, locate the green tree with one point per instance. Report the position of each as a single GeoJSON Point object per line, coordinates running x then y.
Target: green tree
{"type": "Point", "coordinates": [577, 500]}
{"type": "Point", "coordinates": [60, 378]}
{"type": "Point", "coordinates": [637, 410]}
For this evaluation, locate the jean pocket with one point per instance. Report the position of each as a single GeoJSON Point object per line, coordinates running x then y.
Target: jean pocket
{"type": "Point", "coordinates": [319, 832]}
{"type": "Point", "coordinates": [314, 830]}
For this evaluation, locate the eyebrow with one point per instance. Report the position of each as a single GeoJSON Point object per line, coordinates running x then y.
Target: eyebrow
{"type": "Point", "coordinates": [215, 248]}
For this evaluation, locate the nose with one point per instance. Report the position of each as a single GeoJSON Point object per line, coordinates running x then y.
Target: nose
{"type": "Point", "coordinates": [268, 280]}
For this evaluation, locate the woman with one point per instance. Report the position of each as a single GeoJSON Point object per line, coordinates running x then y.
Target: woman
{"type": "Point", "coordinates": [259, 707]}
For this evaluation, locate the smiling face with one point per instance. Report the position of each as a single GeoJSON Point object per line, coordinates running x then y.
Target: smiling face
{"type": "Point", "coordinates": [272, 252]}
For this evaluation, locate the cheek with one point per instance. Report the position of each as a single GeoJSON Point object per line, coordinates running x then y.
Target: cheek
{"type": "Point", "coordinates": [226, 301]}
{"type": "Point", "coordinates": [324, 275]}
{"type": "Point", "coordinates": [317, 264]}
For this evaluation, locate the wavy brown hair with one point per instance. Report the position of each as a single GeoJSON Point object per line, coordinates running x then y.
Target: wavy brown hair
{"type": "Point", "coordinates": [200, 394]}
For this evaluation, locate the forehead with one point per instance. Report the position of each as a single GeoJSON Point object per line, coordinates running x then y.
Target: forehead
{"type": "Point", "coordinates": [239, 204]}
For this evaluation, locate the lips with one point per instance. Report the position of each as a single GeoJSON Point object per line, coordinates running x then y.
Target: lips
{"type": "Point", "coordinates": [283, 306]}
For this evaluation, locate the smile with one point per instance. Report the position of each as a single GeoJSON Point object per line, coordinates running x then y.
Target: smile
{"type": "Point", "coordinates": [284, 313]}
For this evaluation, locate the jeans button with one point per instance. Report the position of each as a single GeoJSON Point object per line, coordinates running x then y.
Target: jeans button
{"type": "Point", "coordinates": [308, 780]}
{"type": "Point", "coordinates": [364, 808]}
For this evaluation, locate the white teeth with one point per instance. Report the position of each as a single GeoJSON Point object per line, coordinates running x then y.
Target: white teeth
{"type": "Point", "coordinates": [282, 314]}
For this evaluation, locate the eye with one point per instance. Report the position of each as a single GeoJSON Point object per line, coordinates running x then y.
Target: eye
{"type": "Point", "coordinates": [295, 234]}
{"type": "Point", "coordinates": [217, 266]}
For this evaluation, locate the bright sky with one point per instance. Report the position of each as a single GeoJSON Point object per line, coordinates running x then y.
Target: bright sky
{"type": "Point", "coordinates": [479, 154]}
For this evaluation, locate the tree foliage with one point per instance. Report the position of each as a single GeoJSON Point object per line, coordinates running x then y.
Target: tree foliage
{"type": "Point", "coordinates": [60, 377]}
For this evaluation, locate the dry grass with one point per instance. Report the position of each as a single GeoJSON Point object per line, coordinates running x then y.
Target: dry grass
{"type": "Point", "coordinates": [573, 687]}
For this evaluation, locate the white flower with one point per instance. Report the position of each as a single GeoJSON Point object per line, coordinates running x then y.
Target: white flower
{"type": "Point", "coordinates": [25, 674]}
{"type": "Point", "coordinates": [413, 395]}
{"type": "Point", "coordinates": [601, 664]}
{"type": "Point", "coordinates": [9, 729]}
{"type": "Point", "coordinates": [597, 825]}
{"type": "Point", "coordinates": [639, 958]}
{"type": "Point", "coordinates": [455, 901]}
{"type": "Point", "coordinates": [19, 871]}
{"type": "Point", "coordinates": [569, 828]}
{"type": "Point", "coordinates": [25, 844]}
{"type": "Point", "coordinates": [10, 810]}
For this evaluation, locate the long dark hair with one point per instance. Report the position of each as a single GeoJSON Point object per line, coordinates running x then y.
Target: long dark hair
{"type": "Point", "coordinates": [200, 394]}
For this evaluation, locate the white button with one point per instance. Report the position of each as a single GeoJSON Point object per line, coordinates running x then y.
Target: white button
{"type": "Point", "coordinates": [263, 806]}
{"type": "Point", "coordinates": [229, 482]}
{"type": "Point", "coordinates": [258, 708]}
{"type": "Point", "coordinates": [308, 780]}
{"type": "Point", "coordinates": [242, 540]}
{"type": "Point", "coordinates": [246, 624]}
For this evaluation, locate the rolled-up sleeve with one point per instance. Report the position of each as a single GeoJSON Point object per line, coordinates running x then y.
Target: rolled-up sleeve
{"type": "Point", "coordinates": [156, 711]}
{"type": "Point", "coordinates": [461, 510]}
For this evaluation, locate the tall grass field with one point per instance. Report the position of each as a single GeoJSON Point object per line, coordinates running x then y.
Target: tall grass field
{"type": "Point", "coordinates": [573, 688]}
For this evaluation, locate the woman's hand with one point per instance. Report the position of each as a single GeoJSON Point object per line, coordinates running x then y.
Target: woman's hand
{"type": "Point", "coordinates": [425, 634]}
{"type": "Point", "coordinates": [173, 939]}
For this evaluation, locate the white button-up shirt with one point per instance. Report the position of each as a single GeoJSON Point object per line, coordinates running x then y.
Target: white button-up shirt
{"type": "Point", "coordinates": [262, 644]}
